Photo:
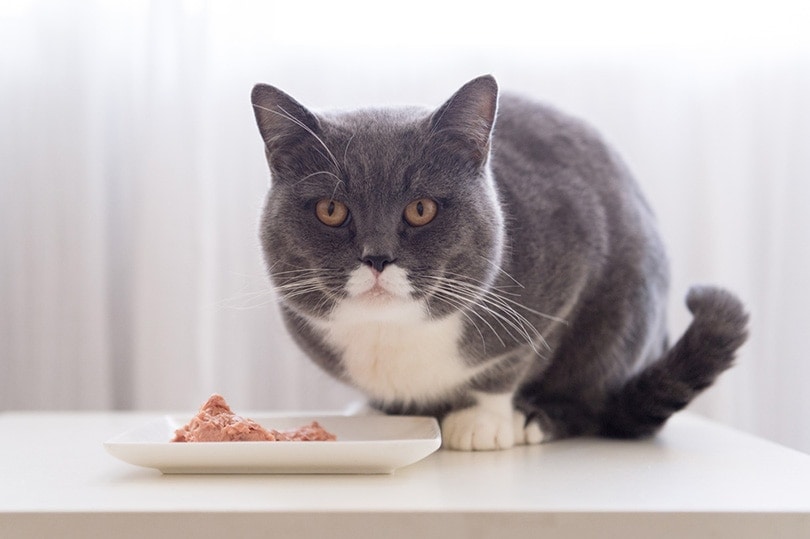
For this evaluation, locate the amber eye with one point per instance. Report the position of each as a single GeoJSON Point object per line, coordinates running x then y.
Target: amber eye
{"type": "Point", "coordinates": [331, 212]}
{"type": "Point", "coordinates": [420, 212]}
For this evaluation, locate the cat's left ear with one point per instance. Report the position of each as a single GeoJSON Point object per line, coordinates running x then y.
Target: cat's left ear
{"type": "Point", "coordinates": [467, 118]}
{"type": "Point", "coordinates": [281, 119]}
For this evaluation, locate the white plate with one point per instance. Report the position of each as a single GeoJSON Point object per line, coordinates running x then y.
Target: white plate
{"type": "Point", "coordinates": [365, 444]}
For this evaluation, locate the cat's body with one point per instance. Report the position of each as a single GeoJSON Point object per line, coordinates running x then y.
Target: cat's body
{"type": "Point", "coordinates": [509, 281]}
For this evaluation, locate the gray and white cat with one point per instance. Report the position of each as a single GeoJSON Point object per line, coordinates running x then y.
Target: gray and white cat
{"type": "Point", "coordinates": [491, 263]}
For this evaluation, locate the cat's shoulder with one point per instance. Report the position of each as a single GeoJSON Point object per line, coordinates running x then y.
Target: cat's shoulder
{"type": "Point", "coordinates": [524, 122]}
{"type": "Point", "coordinates": [519, 110]}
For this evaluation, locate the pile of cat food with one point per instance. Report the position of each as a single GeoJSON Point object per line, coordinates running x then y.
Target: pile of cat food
{"type": "Point", "coordinates": [215, 422]}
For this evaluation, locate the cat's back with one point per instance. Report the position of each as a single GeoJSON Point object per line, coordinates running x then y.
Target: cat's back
{"type": "Point", "coordinates": [537, 137]}
{"type": "Point", "coordinates": [543, 158]}
{"type": "Point", "coordinates": [572, 207]}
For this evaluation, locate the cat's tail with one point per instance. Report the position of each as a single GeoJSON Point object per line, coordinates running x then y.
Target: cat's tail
{"type": "Point", "coordinates": [706, 349]}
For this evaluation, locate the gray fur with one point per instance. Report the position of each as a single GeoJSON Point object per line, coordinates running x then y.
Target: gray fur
{"type": "Point", "coordinates": [536, 213]}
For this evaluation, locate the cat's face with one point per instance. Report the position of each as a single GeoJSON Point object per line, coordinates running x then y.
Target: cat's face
{"type": "Point", "coordinates": [380, 209]}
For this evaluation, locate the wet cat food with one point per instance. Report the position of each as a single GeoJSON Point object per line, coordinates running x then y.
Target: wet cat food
{"type": "Point", "coordinates": [215, 422]}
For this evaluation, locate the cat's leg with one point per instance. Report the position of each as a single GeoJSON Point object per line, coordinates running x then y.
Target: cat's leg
{"type": "Point", "coordinates": [492, 421]}
{"type": "Point", "coordinates": [486, 425]}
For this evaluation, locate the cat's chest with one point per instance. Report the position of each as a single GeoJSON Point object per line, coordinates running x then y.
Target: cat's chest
{"type": "Point", "coordinates": [396, 354]}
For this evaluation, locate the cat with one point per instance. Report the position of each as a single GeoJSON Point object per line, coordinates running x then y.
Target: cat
{"type": "Point", "coordinates": [491, 263]}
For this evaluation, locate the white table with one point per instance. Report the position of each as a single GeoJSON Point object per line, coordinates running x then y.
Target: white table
{"type": "Point", "coordinates": [696, 479]}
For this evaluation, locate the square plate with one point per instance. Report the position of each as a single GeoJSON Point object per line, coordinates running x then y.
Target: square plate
{"type": "Point", "coordinates": [365, 445]}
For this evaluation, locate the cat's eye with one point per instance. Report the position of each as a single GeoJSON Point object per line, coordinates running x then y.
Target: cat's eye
{"type": "Point", "coordinates": [420, 212]}
{"type": "Point", "coordinates": [331, 212]}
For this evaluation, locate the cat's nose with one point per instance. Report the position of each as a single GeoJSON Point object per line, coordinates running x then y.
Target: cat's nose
{"type": "Point", "coordinates": [377, 262]}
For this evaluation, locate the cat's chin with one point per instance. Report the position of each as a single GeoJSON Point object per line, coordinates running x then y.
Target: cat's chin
{"type": "Point", "coordinates": [379, 308]}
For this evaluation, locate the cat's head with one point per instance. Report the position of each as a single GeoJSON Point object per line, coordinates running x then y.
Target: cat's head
{"type": "Point", "coordinates": [381, 208]}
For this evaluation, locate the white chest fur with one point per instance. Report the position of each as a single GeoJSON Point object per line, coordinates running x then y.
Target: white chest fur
{"type": "Point", "coordinates": [393, 352]}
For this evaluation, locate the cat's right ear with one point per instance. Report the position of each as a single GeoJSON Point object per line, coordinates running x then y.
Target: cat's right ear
{"type": "Point", "coordinates": [281, 119]}
{"type": "Point", "coordinates": [468, 117]}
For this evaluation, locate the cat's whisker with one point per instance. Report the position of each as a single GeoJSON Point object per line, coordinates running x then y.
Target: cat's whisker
{"type": "Point", "coordinates": [471, 300]}
{"type": "Point", "coordinates": [495, 305]}
{"type": "Point", "coordinates": [346, 150]}
{"type": "Point", "coordinates": [308, 176]}
{"type": "Point", "coordinates": [503, 304]}
{"type": "Point", "coordinates": [335, 189]}
{"type": "Point", "coordinates": [458, 305]}
{"type": "Point", "coordinates": [271, 294]}
{"type": "Point", "coordinates": [248, 300]}
{"type": "Point", "coordinates": [290, 278]}
{"type": "Point", "coordinates": [485, 284]}
{"type": "Point", "coordinates": [299, 283]}
{"type": "Point", "coordinates": [463, 305]}
{"type": "Point", "coordinates": [298, 272]}
{"type": "Point", "coordinates": [519, 319]}
{"type": "Point", "coordinates": [290, 284]}
{"type": "Point", "coordinates": [501, 270]}
{"type": "Point", "coordinates": [292, 267]}
{"type": "Point", "coordinates": [288, 295]}
{"type": "Point", "coordinates": [503, 294]}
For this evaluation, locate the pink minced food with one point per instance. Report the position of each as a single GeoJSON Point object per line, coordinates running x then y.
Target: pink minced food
{"type": "Point", "coordinates": [215, 422]}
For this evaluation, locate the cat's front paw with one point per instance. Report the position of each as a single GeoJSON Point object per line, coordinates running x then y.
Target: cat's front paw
{"type": "Point", "coordinates": [474, 429]}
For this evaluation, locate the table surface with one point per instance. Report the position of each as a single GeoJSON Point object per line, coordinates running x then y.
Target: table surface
{"type": "Point", "coordinates": [56, 476]}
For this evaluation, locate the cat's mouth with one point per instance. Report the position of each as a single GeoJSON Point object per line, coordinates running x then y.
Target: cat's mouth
{"type": "Point", "coordinates": [377, 294]}
{"type": "Point", "coordinates": [379, 288]}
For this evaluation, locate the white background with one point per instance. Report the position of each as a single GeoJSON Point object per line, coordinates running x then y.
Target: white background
{"type": "Point", "coordinates": [132, 175]}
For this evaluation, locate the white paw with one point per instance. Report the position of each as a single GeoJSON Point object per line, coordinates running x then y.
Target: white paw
{"type": "Point", "coordinates": [526, 433]}
{"type": "Point", "coordinates": [475, 429]}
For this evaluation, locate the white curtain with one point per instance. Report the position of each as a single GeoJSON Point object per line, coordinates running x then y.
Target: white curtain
{"type": "Point", "coordinates": [132, 176]}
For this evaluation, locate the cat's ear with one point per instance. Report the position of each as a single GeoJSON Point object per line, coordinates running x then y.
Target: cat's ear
{"type": "Point", "coordinates": [281, 119]}
{"type": "Point", "coordinates": [468, 117]}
